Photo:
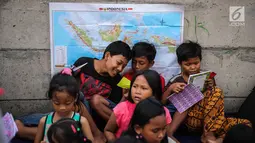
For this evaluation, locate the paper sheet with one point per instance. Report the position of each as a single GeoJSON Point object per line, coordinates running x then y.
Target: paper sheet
{"type": "Point", "coordinates": [9, 127]}
{"type": "Point", "coordinates": [124, 83]}
{"type": "Point", "coordinates": [187, 98]}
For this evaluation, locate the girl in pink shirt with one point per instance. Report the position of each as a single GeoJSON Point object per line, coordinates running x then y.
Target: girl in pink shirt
{"type": "Point", "coordinates": [143, 85]}
{"type": "Point", "coordinates": [146, 126]}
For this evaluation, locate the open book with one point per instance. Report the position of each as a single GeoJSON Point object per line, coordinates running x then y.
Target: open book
{"type": "Point", "coordinates": [198, 80]}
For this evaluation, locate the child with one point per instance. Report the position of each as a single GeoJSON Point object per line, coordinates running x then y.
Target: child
{"type": "Point", "coordinates": [66, 130]}
{"type": "Point", "coordinates": [206, 115]}
{"type": "Point", "coordinates": [99, 78]}
{"type": "Point", "coordinates": [98, 81]}
{"type": "Point", "coordinates": [64, 93]}
{"type": "Point", "coordinates": [143, 55]}
{"type": "Point", "coordinates": [147, 126]}
{"type": "Point", "coordinates": [143, 85]}
{"type": "Point", "coordinates": [240, 133]}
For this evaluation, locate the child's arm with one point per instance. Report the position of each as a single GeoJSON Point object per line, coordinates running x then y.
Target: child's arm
{"type": "Point", "coordinates": [86, 129]}
{"type": "Point", "coordinates": [110, 128]}
{"type": "Point", "coordinates": [124, 94]}
{"type": "Point", "coordinates": [39, 134]}
{"type": "Point", "coordinates": [170, 135]}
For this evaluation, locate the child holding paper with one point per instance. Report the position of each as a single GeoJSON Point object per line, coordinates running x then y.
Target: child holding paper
{"type": "Point", "coordinates": [208, 114]}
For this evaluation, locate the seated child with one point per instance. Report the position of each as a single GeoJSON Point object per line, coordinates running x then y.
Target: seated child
{"type": "Point", "coordinates": [66, 130]}
{"type": "Point", "coordinates": [63, 92]}
{"type": "Point", "coordinates": [208, 114]}
{"type": "Point", "coordinates": [147, 126]}
{"type": "Point", "coordinates": [99, 78]}
{"type": "Point", "coordinates": [98, 82]}
{"type": "Point", "coordinates": [143, 85]}
{"type": "Point", "coordinates": [240, 133]}
{"type": "Point", "coordinates": [143, 55]}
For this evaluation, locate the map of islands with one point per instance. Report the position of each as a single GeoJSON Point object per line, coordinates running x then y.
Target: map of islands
{"type": "Point", "coordinates": [83, 33]}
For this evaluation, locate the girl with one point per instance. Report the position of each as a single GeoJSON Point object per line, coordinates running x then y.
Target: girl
{"type": "Point", "coordinates": [147, 126]}
{"type": "Point", "coordinates": [63, 92]}
{"type": "Point", "coordinates": [66, 130]}
{"type": "Point", "coordinates": [143, 85]}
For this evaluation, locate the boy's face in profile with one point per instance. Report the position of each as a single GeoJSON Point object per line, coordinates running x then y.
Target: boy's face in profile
{"type": "Point", "coordinates": [191, 66]}
{"type": "Point", "coordinates": [115, 64]}
{"type": "Point", "coordinates": [141, 63]}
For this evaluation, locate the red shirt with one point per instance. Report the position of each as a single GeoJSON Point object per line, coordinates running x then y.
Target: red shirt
{"type": "Point", "coordinates": [129, 75]}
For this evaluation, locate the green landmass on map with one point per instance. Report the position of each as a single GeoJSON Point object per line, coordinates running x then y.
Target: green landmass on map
{"type": "Point", "coordinates": [171, 44]}
{"type": "Point", "coordinates": [82, 34]}
{"type": "Point", "coordinates": [111, 35]}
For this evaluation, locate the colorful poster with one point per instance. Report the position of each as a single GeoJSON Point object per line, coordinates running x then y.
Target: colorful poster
{"type": "Point", "coordinates": [82, 29]}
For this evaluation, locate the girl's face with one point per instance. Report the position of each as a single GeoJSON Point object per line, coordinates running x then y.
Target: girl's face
{"type": "Point", "coordinates": [140, 89]}
{"type": "Point", "coordinates": [63, 103]}
{"type": "Point", "coordinates": [155, 130]}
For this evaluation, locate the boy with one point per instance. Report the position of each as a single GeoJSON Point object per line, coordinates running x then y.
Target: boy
{"type": "Point", "coordinates": [143, 55]}
{"type": "Point", "coordinates": [208, 114]}
{"type": "Point", "coordinates": [98, 80]}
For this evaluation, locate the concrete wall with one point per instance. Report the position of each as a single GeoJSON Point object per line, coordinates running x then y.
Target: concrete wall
{"type": "Point", "coordinates": [25, 52]}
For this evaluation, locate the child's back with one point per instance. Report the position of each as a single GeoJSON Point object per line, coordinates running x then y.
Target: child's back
{"type": "Point", "coordinates": [240, 133]}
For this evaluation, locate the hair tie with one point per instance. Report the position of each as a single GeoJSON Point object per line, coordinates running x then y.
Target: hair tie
{"type": "Point", "coordinates": [73, 128]}
{"type": "Point", "coordinates": [67, 71]}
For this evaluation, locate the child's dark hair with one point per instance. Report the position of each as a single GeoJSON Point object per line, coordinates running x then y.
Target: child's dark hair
{"type": "Point", "coordinates": [142, 115]}
{"type": "Point", "coordinates": [63, 82]}
{"type": "Point", "coordinates": [240, 133]}
{"type": "Point", "coordinates": [144, 49]}
{"type": "Point", "coordinates": [119, 48]}
{"type": "Point", "coordinates": [188, 50]}
{"type": "Point", "coordinates": [153, 79]}
{"type": "Point", "coordinates": [66, 130]}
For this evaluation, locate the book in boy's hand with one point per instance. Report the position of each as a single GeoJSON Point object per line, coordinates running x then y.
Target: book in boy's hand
{"type": "Point", "coordinates": [198, 80]}
{"type": "Point", "coordinates": [187, 98]}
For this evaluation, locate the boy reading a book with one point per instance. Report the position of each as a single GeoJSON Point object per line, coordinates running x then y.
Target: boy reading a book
{"type": "Point", "coordinates": [208, 114]}
{"type": "Point", "coordinates": [143, 55]}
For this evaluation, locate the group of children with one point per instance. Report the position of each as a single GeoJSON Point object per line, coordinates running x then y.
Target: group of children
{"type": "Point", "coordinates": [141, 113]}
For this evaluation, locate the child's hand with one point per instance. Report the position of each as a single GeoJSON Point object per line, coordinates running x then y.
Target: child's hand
{"type": "Point", "coordinates": [125, 93]}
{"type": "Point", "coordinates": [209, 83]}
{"type": "Point", "coordinates": [177, 87]}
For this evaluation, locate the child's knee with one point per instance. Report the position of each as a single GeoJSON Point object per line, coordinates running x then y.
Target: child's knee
{"type": "Point", "coordinates": [96, 100]}
{"type": "Point", "coordinates": [19, 125]}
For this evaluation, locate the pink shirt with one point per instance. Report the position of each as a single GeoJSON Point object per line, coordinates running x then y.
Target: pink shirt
{"type": "Point", "coordinates": [124, 112]}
